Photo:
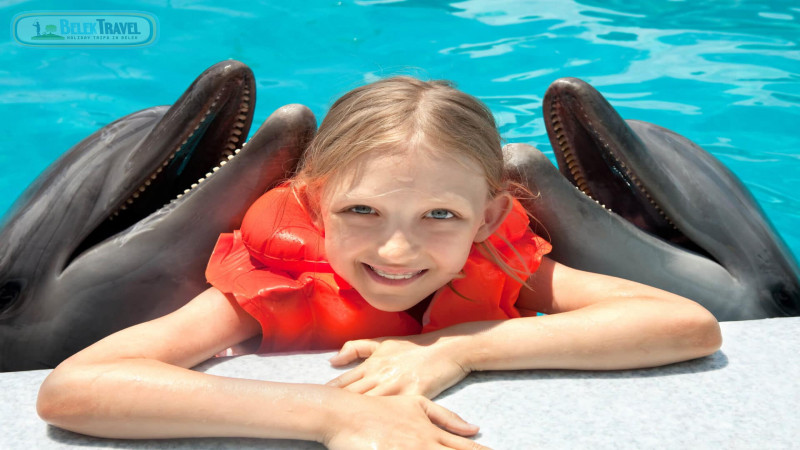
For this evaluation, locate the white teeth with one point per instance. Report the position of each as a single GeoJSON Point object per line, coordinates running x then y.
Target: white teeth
{"type": "Point", "coordinates": [237, 151]}
{"type": "Point", "coordinates": [395, 276]}
{"type": "Point", "coordinates": [215, 169]}
{"type": "Point", "coordinates": [230, 157]}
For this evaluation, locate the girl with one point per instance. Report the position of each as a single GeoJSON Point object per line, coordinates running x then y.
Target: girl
{"type": "Point", "coordinates": [399, 223]}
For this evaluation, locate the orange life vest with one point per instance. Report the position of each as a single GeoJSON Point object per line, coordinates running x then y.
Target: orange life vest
{"type": "Point", "coordinates": [275, 267]}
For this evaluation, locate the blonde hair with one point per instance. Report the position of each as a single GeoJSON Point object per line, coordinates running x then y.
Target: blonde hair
{"type": "Point", "coordinates": [401, 112]}
{"type": "Point", "coordinates": [394, 113]}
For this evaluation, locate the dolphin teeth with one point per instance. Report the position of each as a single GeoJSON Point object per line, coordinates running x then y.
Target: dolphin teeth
{"type": "Point", "coordinates": [230, 157]}
{"type": "Point", "coordinates": [123, 207]}
{"type": "Point", "coordinates": [231, 146]}
{"type": "Point", "coordinates": [194, 185]}
{"type": "Point", "coordinates": [136, 194]}
{"type": "Point", "coordinates": [208, 174]}
{"type": "Point", "coordinates": [233, 139]}
{"type": "Point", "coordinates": [241, 117]}
{"type": "Point", "coordinates": [237, 151]}
{"type": "Point", "coordinates": [223, 162]}
{"type": "Point", "coordinates": [215, 169]}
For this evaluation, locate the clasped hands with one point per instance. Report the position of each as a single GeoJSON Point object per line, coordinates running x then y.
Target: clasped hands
{"type": "Point", "coordinates": [406, 369]}
{"type": "Point", "coordinates": [424, 364]}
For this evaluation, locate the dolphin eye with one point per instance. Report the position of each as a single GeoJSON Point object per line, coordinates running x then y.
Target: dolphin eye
{"type": "Point", "coordinates": [787, 302]}
{"type": "Point", "coordinates": [9, 292]}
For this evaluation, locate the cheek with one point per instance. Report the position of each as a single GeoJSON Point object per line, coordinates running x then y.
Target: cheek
{"type": "Point", "coordinates": [342, 243]}
{"type": "Point", "coordinates": [451, 250]}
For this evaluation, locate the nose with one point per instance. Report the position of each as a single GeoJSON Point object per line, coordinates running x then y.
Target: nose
{"type": "Point", "coordinates": [399, 248]}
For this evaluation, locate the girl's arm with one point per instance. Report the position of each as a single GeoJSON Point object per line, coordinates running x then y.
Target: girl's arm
{"type": "Point", "coordinates": [593, 322]}
{"type": "Point", "coordinates": [136, 384]}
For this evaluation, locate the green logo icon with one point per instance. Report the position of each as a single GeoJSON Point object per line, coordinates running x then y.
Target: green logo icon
{"type": "Point", "coordinates": [50, 33]}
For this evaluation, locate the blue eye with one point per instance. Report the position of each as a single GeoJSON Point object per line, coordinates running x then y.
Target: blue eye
{"type": "Point", "coordinates": [440, 214]}
{"type": "Point", "coordinates": [362, 209]}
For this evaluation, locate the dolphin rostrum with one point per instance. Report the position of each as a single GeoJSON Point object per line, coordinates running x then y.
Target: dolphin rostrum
{"type": "Point", "coordinates": [681, 221]}
{"type": "Point", "coordinates": [118, 230]}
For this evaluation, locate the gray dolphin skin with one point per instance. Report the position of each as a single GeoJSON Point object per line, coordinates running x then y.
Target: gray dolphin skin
{"type": "Point", "coordinates": [118, 230]}
{"type": "Point", "coordinates": [681, 221]}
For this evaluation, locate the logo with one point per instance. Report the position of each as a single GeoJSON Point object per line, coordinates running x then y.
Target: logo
{"type": "Point", "coordinates": [84, 29]}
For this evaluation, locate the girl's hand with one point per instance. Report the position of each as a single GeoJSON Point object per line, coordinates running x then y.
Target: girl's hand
{"type": "Point", "coordinates": [408, 421]}
{"type": "Point", "coordinates": [419, 364]}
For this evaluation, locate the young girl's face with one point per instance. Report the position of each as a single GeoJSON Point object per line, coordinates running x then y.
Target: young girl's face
{"type": "Point", "coordinates": [400, 226]}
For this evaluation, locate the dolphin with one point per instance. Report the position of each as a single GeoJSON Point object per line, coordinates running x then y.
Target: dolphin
{"type": "Point", "coordinates": [637, 201]}
{"type": "Point", "coordinates": [118, 230]}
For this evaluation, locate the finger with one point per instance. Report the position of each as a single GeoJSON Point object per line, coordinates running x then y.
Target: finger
{"type": "Point", "coordinates": [383, 389]}
{"type": "Point", "coordinates": [361, 386]}
{"type": "Point", "coordinates": [461, 443]}
{"type": "Point", "coordinates": [448, 420]}
{"type": "Point", "coordinates": [353, 350]}
{"type": "Point", "coordinates": [346, 378]}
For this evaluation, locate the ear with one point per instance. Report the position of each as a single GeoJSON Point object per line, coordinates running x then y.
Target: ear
{"type": "Point", "coordinates": [496, 211]}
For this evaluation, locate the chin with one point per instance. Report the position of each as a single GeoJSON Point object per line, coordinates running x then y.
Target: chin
{"type": "Point", "coordinates": [389, 304]}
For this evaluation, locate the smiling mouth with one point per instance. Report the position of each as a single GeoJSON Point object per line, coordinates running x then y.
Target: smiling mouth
{"type": "Point", "coordinates": [395, 276]}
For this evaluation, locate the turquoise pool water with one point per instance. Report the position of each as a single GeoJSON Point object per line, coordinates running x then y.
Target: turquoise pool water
{"type": "Point", "coordinates": [726, 74]}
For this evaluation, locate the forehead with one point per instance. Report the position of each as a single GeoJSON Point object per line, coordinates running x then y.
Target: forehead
{"type": "Point", "coordinates": [410, 171]}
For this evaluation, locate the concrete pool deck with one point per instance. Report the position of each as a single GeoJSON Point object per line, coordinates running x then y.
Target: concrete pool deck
{"type": "Point", "coordinates": [746, 395]}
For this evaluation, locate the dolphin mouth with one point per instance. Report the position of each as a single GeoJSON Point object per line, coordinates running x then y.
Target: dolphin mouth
{"type": "Point", "coordinates": [588, 138]}
{"type": "Point", "coordinates": [212, 130]}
